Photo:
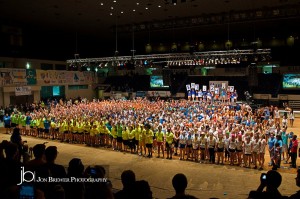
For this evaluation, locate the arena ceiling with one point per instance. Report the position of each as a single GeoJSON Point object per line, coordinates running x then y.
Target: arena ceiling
{"type": "Point", "coordinates": [93, 15]}
{"type": "Point", "coordinates": [95, 21]}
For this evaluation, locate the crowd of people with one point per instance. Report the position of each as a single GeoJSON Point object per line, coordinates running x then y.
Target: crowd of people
{"type": "Point", "coordinates": [202, 131]}
{"type": "Point", "coordinates": [43, 166]}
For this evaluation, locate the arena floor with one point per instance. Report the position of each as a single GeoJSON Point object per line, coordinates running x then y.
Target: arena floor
{"type": "Point", "coordinates": [204, 180]}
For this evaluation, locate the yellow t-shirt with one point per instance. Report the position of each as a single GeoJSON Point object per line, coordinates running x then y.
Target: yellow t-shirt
{"type": "Point", "coordinates": [125, 134]}
{"type": "Point", "coordinates": [149, 136]}
{"type": "Point", "coordinates": [159, 136]}
{"type": "Point", "coordinates": [93, 131]}
{"type": "Point", "coordinates": [169, 137]}
{"type": "Point", "coordinates": [113, 132]}
{"type": "Point", "coordinates": [79, 127]}
{"type": "Point", "coordinates": [131, 135]}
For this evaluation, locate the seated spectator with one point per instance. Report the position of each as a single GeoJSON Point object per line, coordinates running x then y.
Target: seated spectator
{"type": "Point", "coordinates": [128, 181]}
{"type": "Point", "coordinates": [180, 183]}
{"type": "Point", "coordinates": [75, 190]}
{"type": "Point", "coordinates": [39, 157]}
{"type": "Point", "coordinates": [10, 172]}
{"type": "Point", "coordinates": [98, 189]}
{"type": "Point", "coordinates": [17, 139]}
{"type": "Point", "coordinates": [56, 170]}
{"type": "Point", "coordinates": [142, 190]}
{"type": "Point", "coordinates": [52, 190]}
{"type": "Point", "coordinates": [271, 182]}
{"type": "Point", "coordinates": [296, 195]}
{"type": "Point", "coordinates": [3, 144]}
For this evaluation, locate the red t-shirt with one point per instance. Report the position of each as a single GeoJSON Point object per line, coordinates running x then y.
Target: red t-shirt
{"type": "Point", "coordinates": [295, 146]}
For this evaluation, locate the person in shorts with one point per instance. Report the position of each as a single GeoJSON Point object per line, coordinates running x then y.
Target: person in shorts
{"type": "Point", "coordinates": [7, 123]}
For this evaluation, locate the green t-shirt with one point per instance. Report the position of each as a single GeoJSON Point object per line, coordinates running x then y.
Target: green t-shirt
{"type": "Point", "coordinates": [13, 119]}
{"type": "Point", "coordinates": [119, 131]}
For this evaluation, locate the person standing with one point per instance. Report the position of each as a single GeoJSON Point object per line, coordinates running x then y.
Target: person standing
{"type": "Point", "coordinates": [294, 151]}
{"type": "Point", "coordinates": [211, 143]}
{"type": "Point", "coordinates": [160, 141]}
{"type": "Point", "coordinates": [27, 123]}
{"type": "Point", "coordinates": [182, 145]}
{"type": "Point", "coordinates": [279, 149]}
{"type": "Point", "coordinates": [247, 149]}
{"type": "Point", "coordinates": [119, 136]}
{"type": "Point", "coordinates": [271, 144]}
{"type": "Point", "coordinates": [203, 147]}
{"type": "Point", "coordinates": [2, 113]}
{"type": "Point", "coordinates": [7, 123]}
{"type": "Point", "coordinates": [149, 139]}
{"type": "Point", "coordinates": [291, 117]}
{"type": "Point", "coordinates": [169, 143]}
{"type": "Point", "coordinates": [232, 149]}
{"type": "Point", "coordinates": [262, 149]}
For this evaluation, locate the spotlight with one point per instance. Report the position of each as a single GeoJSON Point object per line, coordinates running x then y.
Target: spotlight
{"type": "Point", "coordinates": [174, 2]}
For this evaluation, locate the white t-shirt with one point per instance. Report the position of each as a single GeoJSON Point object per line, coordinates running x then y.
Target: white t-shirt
{"type": "Point", "coordinates": [211, 142]}
{"type": "Point", "coordinates": [247, 147]}
{"type": "Point", "coordinates": [255, 145]}
{"type": "Point", "coordinates": [263, 144]}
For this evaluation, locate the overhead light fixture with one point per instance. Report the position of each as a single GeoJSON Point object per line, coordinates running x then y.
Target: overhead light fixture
{"type": "Point", "coordinates": [115, 1]}
{"type": "Point", "coordinates": [27, 65]}
{"type": "Point", "coordinates": [101, 4]}
{"type": "Point", "coordinates": [137, 3]}
{"type": "Point", "coordinates": [133, 10]}
{"type": "Point", "coordinates": [111, 8]}
{"type": "Point", "coordinates": [110, 14]}
{"type": "Point", "coordinates": [122, 12]}
{"type": "Point", "coordinates": [174, 2]}
{"type": "Point", "coordinates": [159, 6]}
{"type": "Point", "coordinates": [146, 8]}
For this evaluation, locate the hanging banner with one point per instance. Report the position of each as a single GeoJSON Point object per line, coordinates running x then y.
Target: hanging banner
{"type": "Point", "coordinates": [31, 76]}
{"type": "Point", "coordinates": [196, 87]}
{"type": "Point", "coordinates": [54, 77]}
{"type": "Point", "coordinates": [5, 77]}
{"type": "Point", "coordinates": [12, 77]}
{"type": "Point", "coordinates": [23, 90]}
{"type": "Point", "coordinates": [212, 88]}
{"type": "Point", "coordinates": [204, 88]}
{"type": "Point", "coordinates": [19, 76]}
{"type": "Point", "coordinates": [231, 88]}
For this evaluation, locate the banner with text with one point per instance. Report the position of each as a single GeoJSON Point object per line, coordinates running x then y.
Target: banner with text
{"type": "Point", "coordinates": [23, 90]}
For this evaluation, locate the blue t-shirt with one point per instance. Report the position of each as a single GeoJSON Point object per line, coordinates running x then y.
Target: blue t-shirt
{"type": "Point", "coordinates": [271, 142]}
{"type": "Point", "coordinates": [46, 124]}
{"type": "Point", "coordinates": [6, 120]}
{"type": "Point", "coordinates": [284, 138]}
{"type": "Point", "coordinates": [279, 142]}
{"type": "Point", "coordinates": [28, 119]}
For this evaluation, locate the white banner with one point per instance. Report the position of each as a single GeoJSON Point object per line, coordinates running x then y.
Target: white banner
{"type": "Point", "coordinates": [24, 90]}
